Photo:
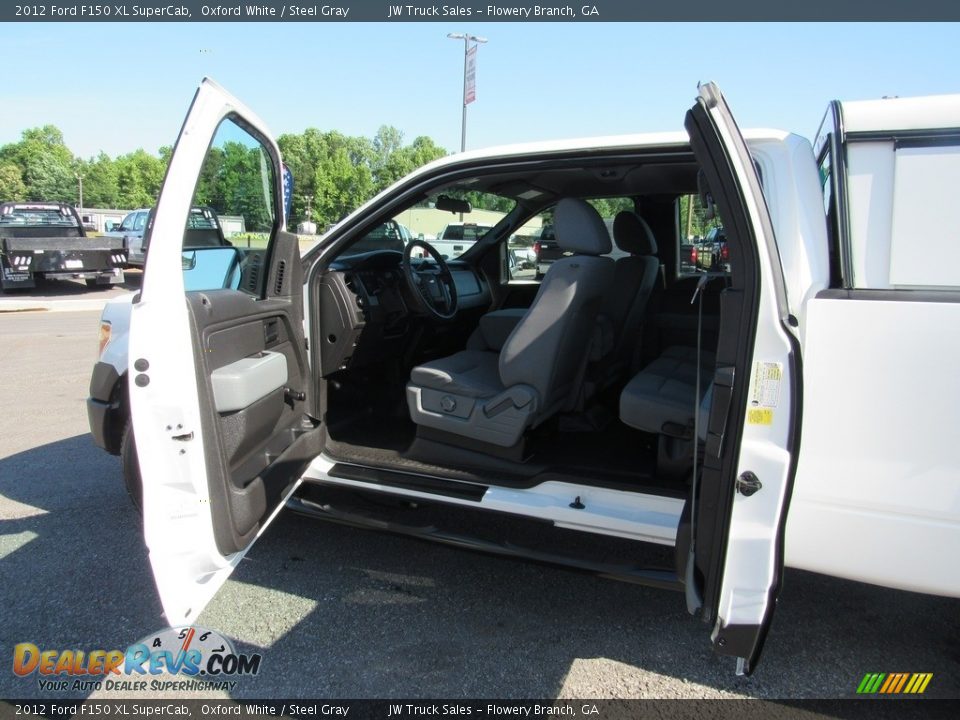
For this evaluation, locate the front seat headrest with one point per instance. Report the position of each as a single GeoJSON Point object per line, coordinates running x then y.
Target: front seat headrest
{"type": "Point", "coordinates": [579, 228]}
{"type": "Point", "coordinates": [633, 235]}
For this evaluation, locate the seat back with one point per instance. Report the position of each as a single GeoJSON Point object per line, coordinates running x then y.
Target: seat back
{"type": "Point", "coordinates": [549, 347]}
{"type": "Point", "coordinates": [634, 279]}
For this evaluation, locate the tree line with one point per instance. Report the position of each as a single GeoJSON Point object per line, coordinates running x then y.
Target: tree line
{"type": "Point", "coordinates": [333, 173]}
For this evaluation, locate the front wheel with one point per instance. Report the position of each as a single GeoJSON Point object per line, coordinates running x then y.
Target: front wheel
{"type": "Point", "coordinates": [131, 468]}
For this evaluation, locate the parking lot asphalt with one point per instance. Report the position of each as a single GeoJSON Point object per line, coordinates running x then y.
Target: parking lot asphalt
{"type": "Point", "coordinates": [63, 295]}
{"type": "Point", "coordinates": [344, 613]}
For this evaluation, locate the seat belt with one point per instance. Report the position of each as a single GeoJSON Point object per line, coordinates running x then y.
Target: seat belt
{"type": "Point", "coordinates": [691, 592]}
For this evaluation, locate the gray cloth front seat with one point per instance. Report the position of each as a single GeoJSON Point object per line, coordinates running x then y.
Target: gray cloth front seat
{"type": "Point", "coordinates": [493, 395]}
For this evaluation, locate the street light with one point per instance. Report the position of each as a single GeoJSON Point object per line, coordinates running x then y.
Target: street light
{"type": "Point", "coordinates": [80, 180]}
{"type": "Point", "coordinates": [466, 37]}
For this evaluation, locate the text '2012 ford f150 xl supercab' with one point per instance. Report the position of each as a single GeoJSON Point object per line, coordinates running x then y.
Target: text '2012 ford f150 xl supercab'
{"type": "Point", "coordinates": [789, 409]}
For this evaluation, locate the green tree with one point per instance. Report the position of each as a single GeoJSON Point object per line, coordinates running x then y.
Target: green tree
{"type": "Point", "coordinates": [303, 154]}
{"type": "Point", "coordinates": [100, 181]}
{"type": "Point", "coordinates": [11, 183]}
{"type": "Point", "coordinates": [404, 160]}
{"type": "Point", "coordinates": [139, 177]}
{"type": "Point", "coordinates": [343, 179]}
{"type": "Point", "coordinates": [45, 163]}
{"type": "Point", "coordinates": [609, 207]}
{"type": "Point", "coordinates": [244, 188]}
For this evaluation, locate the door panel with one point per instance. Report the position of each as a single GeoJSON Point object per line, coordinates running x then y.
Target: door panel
{"type": "Point", "coordinates": [213, 479]}
{"type": "Point", "coordinates": [738, 528]}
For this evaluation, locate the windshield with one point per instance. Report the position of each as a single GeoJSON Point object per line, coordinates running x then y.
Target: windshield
{"type": "Point", "coordinates": [431, 220]}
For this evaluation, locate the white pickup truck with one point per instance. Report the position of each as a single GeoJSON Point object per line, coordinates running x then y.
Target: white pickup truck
{"type": "Point", "coordinates": [797, 410]}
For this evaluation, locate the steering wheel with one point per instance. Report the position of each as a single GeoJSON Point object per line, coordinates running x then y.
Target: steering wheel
{"type": "Point", "coordinates": [431, 284]}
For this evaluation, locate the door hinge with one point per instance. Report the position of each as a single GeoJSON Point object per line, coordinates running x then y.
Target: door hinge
{"type": "Point", "coordinates": [748, 483]}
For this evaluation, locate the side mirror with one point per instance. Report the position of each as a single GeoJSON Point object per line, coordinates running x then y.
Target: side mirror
{"type": "Point", "coordinates": [211, 268]}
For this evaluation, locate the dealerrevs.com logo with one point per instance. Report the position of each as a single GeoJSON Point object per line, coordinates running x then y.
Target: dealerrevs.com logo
{"type": "Point", "coordinates": [200, 659]}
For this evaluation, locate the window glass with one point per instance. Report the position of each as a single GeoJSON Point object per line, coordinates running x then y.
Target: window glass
{"type": "Point", "coordinates": [452, 220]}
{"type": "Point", "coordinates": [922, 238]}
{"type": "Point", "coordinates": [701, 240]}
{"type": "Point", "coordinates": [139, 221]}
{"type": "Point", "coordinates": [236, 182]}
{"type": "Point", "coordinates": [826, 186]}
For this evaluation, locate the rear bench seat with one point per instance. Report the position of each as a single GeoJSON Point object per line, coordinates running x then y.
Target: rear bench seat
{"type": "Point", "coordinates": [663, 391]}
{"type": "Point", "coordinates": [660, 400]}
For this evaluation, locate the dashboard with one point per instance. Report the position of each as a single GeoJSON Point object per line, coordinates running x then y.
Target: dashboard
{"type": "Point", "coordinates": [366, 312]}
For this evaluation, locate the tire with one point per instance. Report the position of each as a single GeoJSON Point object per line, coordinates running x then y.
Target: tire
{"type": "Point", "coordinates": [131, 468]}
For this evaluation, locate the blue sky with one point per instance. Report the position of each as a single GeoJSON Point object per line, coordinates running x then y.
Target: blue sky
{"type": "Point", "coordinates": [116, 87]}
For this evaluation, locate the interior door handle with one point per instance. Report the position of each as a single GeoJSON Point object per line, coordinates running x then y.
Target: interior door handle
{"type": "Point", "coordinates": [271, 332]}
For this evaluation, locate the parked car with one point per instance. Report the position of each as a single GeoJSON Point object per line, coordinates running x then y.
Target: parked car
{"type": "Point", "coordinates": [714, 254]}
{"type": "Point", "coordinates": [458, 237]}
{"type": "Point", "coordinates": [131, 230]}
{"type": "Point", "coordinates": [203, 229]}
{"type": "Point", "coordinates": [371, 388]}
{"type": "Point", "coordinates": [688, 255]}
{"type": "Point", "coordinates": [546, 248]}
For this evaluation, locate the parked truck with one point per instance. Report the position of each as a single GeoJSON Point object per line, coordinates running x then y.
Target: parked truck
{"type": "Point", "coordinates": [797, 410]}
{"type": "Point", "coordinates": [48, 241]}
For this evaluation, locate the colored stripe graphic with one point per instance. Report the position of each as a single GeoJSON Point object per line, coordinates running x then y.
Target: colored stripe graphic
{"type": "Point", "coordinates": [894, 683]}
{"type": "Point", "coordinates": [870, 683]}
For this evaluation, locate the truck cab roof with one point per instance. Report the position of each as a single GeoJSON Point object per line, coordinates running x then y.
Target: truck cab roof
{"type": "Point", "coordinates": [888, 114]}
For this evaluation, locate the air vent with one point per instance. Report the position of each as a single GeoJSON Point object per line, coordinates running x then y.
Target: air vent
{"type": "Point", "coordinates": [253, 274]}
{"type": "Point", "coordinates": [278, 285]}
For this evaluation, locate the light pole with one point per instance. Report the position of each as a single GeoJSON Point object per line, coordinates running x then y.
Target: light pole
{"type": "Point", "coordinates": [466, 37]}
{"type": "Point", "coordinates": [80, 181]}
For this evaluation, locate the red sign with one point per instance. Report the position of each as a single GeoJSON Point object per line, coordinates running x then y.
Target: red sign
{"type": "Point", "coordinates": [470, 77]}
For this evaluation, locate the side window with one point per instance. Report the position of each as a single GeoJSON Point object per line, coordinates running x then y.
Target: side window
{"type": "Point", "coordinates": [139, 221]}
{"type": "Point", "coordinates": [701, 240]}
{"type": "Point", "coordinates": [237, 180]}
{"type": "Point", "coordinates": [127, 224]}
{"type": "Point", "coordinates": [831, 212]}
{"type": "Point", "coordinates": [533, 247]}
{"type": "Point", "coordinates": [923, 236]}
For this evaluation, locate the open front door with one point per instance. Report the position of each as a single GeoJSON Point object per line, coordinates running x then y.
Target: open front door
{"type": "Point", "coordinates": [749, 448]}
{"type": "Point", "coordinates": [219, 379]}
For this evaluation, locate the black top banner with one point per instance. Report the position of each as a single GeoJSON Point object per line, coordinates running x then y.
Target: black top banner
{"type": "Point", "coordinates": [400, 11]}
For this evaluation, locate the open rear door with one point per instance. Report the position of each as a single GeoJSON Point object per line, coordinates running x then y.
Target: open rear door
{"type": "Point", "coordinates": [749, 447]}
{"type": "Point", "coordinates": [219, 379]}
